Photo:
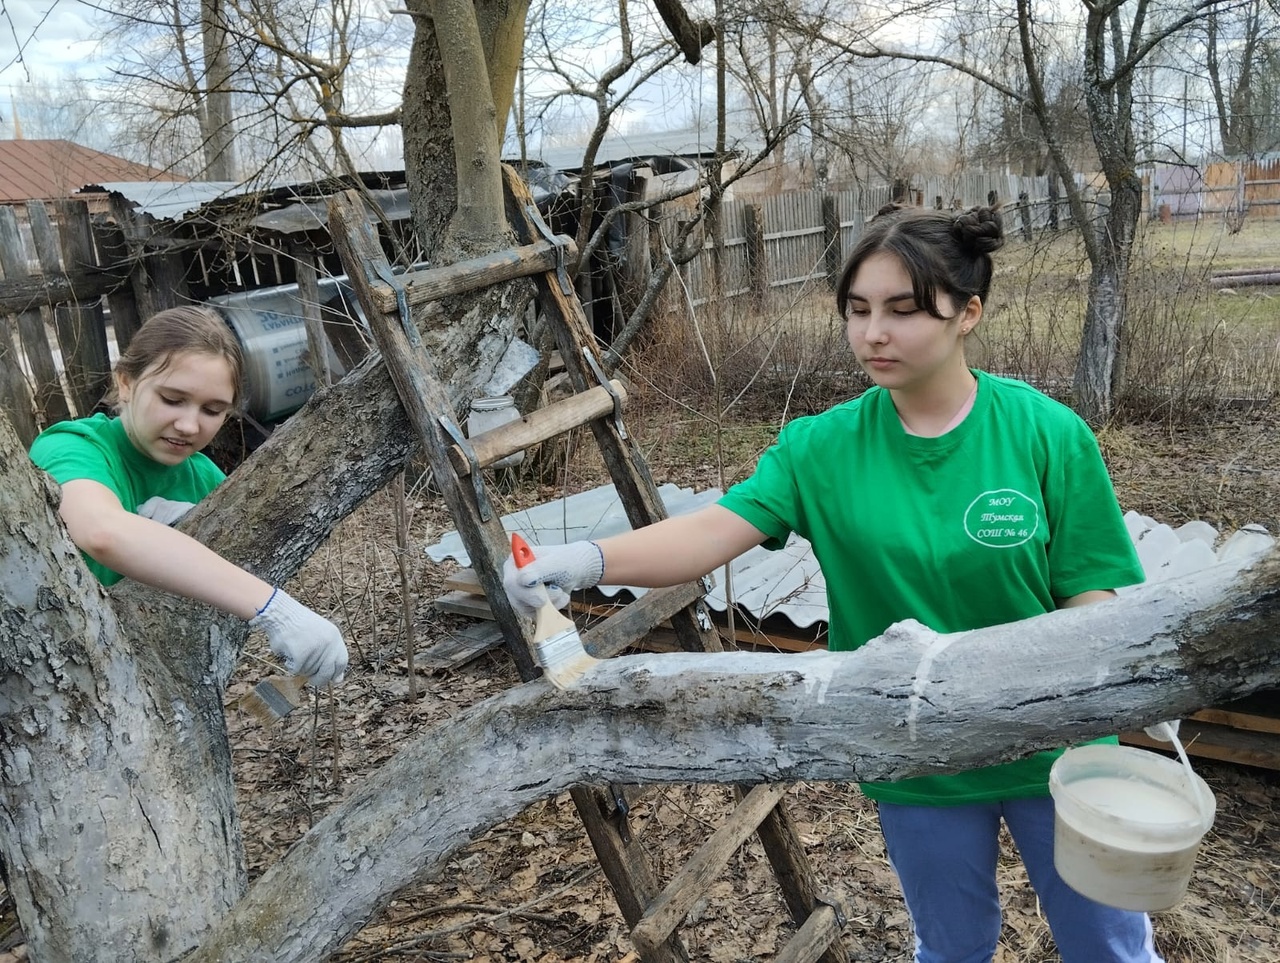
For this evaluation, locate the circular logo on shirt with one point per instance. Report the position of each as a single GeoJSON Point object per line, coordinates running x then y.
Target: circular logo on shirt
{"type": "Point", "coordinates": [1002, 518]}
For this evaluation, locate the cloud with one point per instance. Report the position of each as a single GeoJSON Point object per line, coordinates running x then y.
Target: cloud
{"type": "Point", "coordinates": [45, 39]}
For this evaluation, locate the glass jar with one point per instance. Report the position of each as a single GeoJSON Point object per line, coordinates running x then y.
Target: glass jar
{"type": "Point", "coordinates": [489, 413]}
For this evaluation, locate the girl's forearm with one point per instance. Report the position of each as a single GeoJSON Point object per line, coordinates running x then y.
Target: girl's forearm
{"type": "Point", "coordinates": [677, 550]}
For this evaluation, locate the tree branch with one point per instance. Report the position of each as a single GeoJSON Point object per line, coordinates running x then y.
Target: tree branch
{"type": "Point", "coordinates": [908, 703]}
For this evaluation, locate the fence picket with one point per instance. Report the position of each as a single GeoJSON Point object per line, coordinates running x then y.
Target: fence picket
{"type": "Point", "coordinates": [81, 328]}
{"type": "Point", "coordinates": [50, 405]}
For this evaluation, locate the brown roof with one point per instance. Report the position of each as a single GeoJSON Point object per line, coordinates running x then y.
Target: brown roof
{"type": "Point", "coordinates": [46, 169]}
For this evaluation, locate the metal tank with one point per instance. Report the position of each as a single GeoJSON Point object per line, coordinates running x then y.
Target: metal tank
{"type": "Point", "coordinates": [273, 335]}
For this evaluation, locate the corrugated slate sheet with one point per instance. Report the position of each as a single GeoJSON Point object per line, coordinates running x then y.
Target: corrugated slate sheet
{"type": "Point", "coordinates": [787, 582]}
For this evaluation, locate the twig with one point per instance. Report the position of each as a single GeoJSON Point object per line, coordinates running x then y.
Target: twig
{"type": "Point", "coordinates": [406, 587]}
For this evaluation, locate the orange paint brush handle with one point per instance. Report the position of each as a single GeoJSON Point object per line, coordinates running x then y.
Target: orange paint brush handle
{"type": "Point", "coordinates": [520, 550]}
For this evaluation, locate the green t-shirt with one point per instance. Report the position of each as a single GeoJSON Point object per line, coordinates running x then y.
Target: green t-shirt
{"type": "Point", "coordinates": [98, 449]}
{"type": "Point", "coordinates": [987, 524]}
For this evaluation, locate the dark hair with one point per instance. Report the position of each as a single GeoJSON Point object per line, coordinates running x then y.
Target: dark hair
{"type": "Point", "coordinates": [939, 249]}
{"type": "Point", "coordinates": [187, 328]}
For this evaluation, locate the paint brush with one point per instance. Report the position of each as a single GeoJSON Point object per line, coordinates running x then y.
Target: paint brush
{"type": "Point", "coordinates": [556, 643]}
{"type": "Point", "coordinates": [274, 698]}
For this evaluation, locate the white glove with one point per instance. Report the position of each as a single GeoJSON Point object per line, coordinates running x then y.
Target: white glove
{"type": "Point", "coordinates": [310, 644]}
{"type": "Point", "coordinates": [561, 568]}
{"type": "Point", "coordinates": [164, 510]}
{"type": "Point", "coordinates": [1163, 731]}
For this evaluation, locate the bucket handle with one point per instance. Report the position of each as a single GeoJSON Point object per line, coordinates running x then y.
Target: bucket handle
{"type": "Point", "coordinates": [1203, 805]}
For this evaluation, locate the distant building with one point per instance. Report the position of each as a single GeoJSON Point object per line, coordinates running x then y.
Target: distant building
{"type": "Point", "coordinates": [46, 170]}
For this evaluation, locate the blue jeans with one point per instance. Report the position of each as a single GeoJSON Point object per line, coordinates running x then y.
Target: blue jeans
{"type": "Point", "coordinates": [945, 858]}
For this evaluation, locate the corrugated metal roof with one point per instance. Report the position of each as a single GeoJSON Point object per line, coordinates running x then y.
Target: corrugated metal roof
{"type": "Point", "coordinates": [285, 207]}
{"type": "Point", "coordinates": [47, 169]}
{"type": "Point", "coordinates": [789, 582]}
{"type": "Point", "coordinates": [168, 201]}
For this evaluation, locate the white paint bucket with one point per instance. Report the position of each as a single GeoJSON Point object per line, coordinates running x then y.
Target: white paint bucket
{"type": "Point", "coordinates": [1128, 824]}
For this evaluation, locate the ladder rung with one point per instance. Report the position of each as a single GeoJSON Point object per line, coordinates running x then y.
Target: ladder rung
{"type": "Point", "coordinates": [555, 419]}
{"type": "Point", "coordinates": [431, 284]}
{"type": "Point", "coordinates": [690, 884]}
{"type": "Point", "coordinates": [637, 619]}
{"type": "Point", "coordinates": [819, 931]}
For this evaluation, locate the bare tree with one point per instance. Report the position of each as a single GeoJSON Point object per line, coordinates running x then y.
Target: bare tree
{"type": "Point", "coordinates": [1116, 38]}
{"type": "Point", "coordinates": [240, 89]}
{"type": "Point", "coordinates": [1242, 57]}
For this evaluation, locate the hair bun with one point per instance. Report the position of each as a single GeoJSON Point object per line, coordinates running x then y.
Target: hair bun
{"type": "Point", "coordinates": [979, 229]}
{"type": "Point", "coordinates": [893, 207]}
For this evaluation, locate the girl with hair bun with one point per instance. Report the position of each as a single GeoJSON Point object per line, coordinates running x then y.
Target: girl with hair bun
{"type": "Point", "coordinates": [942, 494]}
{"type": "Point", "coordinates": [126, 479]}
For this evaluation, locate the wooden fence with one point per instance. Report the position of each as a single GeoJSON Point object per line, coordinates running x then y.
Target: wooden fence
{"type": "Point", "coordinates": [74, 289]}
{"type": "Point", "coordinates": [1232, 189]}
{"type": "Point", "coordinates": [786, 240]}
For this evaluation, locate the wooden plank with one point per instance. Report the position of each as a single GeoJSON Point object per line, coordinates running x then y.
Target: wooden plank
{"type": "Point", "coordinates": [1238, 720]}
{"type": "Point", "coordinates": [15, 399]}
{"type": "Point", "coordinates": [425, 286]}
{"type": "Point", "coordinates": [81, 327]}
{"type": "Point", "coordinates": [44, 290]}
{"type": "Point", "coordinates": [464, 580]}
{"type": "Point", "coordinates": [690, 884]}
{"type": "Point", "coordinates": [116, 261]}
{"type": "Point", "coordinates": [309, 295]}
{"type": "Point", "coordinates": [458, 648]}
{"type": "Point", "coordinates": [537, 426]}
{"type": "Point", "coordinates": [634, 623]}
{"type": "Point", "coordinates": [631, 623]}
{"type": "Point", "coordinates": [794, 872]}
{"type": "Point", "coordinates": [464, 603]}
{"type": "Point", "coordinates": [15, 395]}
{"type": "Point", "coordinates": [50, 405]}
{"type": "Point", "coordinates": [1210, 741]}
{"type": "Point", "coordinates": [814, 939]}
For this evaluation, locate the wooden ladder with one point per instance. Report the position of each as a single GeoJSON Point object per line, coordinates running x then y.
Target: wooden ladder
{"type": "Point", "coordinates": [654, 913]}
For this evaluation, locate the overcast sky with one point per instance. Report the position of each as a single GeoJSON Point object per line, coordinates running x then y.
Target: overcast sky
{"type": "Point", "coordinates": [44, 39]}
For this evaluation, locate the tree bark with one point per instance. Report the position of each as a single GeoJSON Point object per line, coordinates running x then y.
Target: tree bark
{"type": "Point", "coordinates": [1100, 360]}
{"type": "Point", "coordinates": [117, 815]}
{"type": "Point", "coordinates": [911, 702]}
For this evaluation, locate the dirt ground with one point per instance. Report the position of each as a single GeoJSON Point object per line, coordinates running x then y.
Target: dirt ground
{"type": "Point", "coordinates": [531, 890]}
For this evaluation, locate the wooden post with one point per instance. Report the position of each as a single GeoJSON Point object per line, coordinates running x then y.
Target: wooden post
{"type": "Point", "coordinates": [309, 295]}
{"type": "Point", "coordinates": [50, 405]}
{"type": "Point", "coordinates": [81, 328]}
{"type": "Point", "coordinates": [158, 280]}
{"type": "Point", "coordinates": [14, 396]}
{"type": "Point", "coordinates": [757, 265]}
{"type": "Point", "coordinates": [832, 248]}
{"type": "Point", "coordinates": [115, 257]}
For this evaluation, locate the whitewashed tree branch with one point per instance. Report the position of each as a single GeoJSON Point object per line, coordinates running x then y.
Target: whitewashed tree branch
{"type": "Point", "coordinates": [908, 703]}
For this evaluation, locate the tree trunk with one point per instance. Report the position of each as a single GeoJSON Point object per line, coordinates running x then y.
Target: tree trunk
{"type": "Point", "coordinates": [217, 123]}
{"type": "Point", "coordinates": [908, 703]}
{"type": "Point", "coordinates": [117, 816]}
{"type": "Point", "coordinates": [1099, 363]}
